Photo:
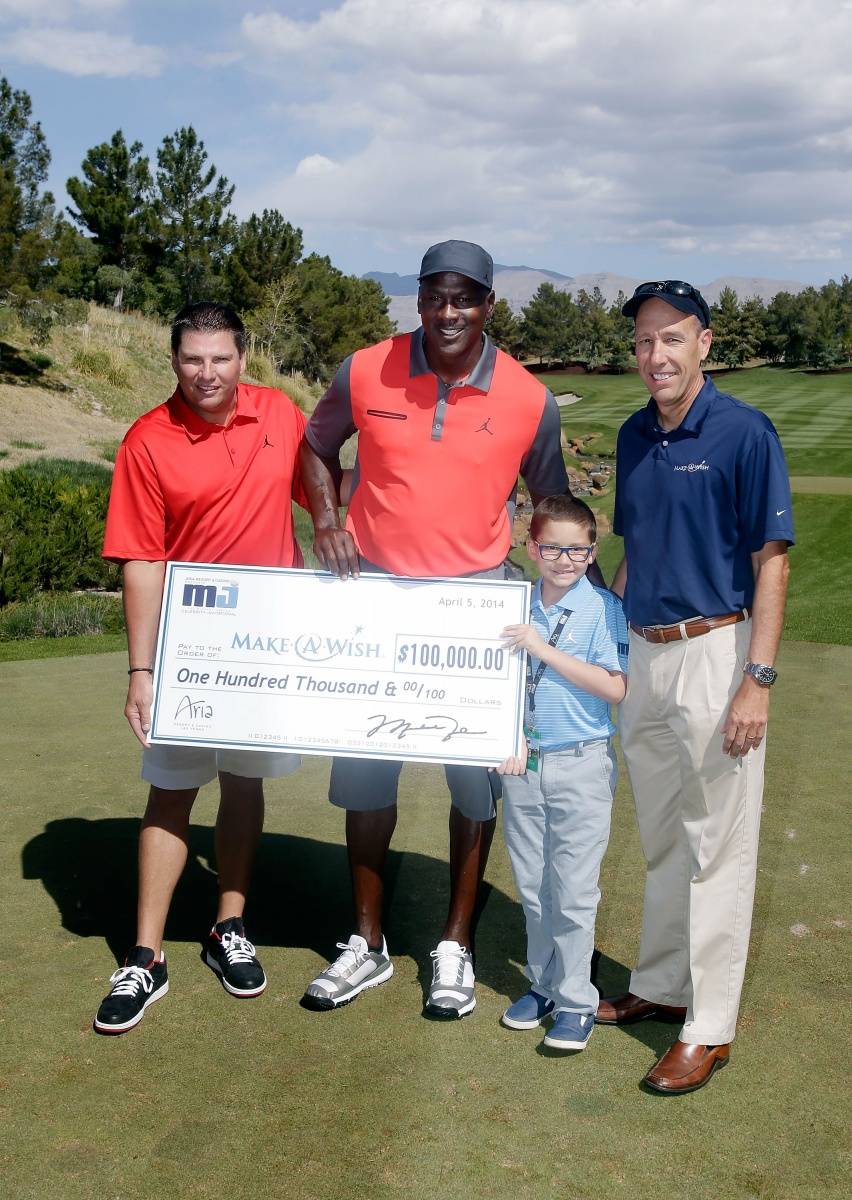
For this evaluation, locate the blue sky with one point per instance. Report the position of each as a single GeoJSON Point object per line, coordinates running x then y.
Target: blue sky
{"type": "Point", "coordinates": [650, 138]}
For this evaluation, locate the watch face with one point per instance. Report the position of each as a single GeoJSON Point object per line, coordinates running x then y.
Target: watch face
{"type": "Point", "coordinates": [764, 675]}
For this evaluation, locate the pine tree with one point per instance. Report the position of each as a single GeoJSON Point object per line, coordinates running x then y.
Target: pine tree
{"type": "Point", "coordinates": [191, 204]}
{"type": "Point", "coordinates": [114, 200]}
{"type": "Point", "coordinates": [23, 148]}
{"type": "Point", "coordinates": [265, 250]}
{"type": "Point", "coordinates": [504, 328]}
{"type": "Point", "coordinates": [549, 324]}
{"type": "Point", "coordinates": [26, 213]}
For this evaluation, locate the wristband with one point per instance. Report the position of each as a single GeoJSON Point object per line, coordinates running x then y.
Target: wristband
{"type": "Point", "coordinates": [133, 670]}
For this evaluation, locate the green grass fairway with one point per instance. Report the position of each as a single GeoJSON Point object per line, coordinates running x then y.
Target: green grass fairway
{"type": "Point", "coordinates": [214, 1097]}
{"type": "Point", "coordinates": [812, 412]}
{"type": "Point", "coordinates": [819, 601]}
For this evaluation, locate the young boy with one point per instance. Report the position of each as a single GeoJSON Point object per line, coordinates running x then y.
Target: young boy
{"type": "Point", "coordinates": [556, 814]}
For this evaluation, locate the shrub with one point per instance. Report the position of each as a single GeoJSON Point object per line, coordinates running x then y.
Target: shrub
{"type": "Point", "coordinates": [73, 311]}
{"type": "Point", "coordinates": [306, 395]}
{"type": "Point", "coordinates": [60, 614]}
{"type": "Point", "coordinates": [51, 530]}
{"type": "Point", "coordinates": [70, 470]}
{"type": "Point", "coordinates": [261, 368]}
{"type": "Point", "coordinates": [100, 363]}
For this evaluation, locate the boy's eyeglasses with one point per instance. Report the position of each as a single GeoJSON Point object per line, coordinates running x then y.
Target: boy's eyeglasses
{"type": "Point", "coordinates": [551, 553]}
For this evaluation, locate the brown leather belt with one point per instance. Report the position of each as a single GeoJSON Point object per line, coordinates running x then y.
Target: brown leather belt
{"type": "Point", "coordinates": [688, 629]}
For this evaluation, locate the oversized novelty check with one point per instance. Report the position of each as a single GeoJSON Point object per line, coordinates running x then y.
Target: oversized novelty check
{"type": "Point", "coordinates": [376, 667]}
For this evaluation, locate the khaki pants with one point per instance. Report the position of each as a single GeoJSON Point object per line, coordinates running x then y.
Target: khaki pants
{"type": "Point", "coordinates": [698, 812]}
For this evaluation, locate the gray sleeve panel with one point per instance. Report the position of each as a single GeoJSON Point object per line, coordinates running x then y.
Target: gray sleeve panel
{"type": "Point", "coordinates": [331, 423]}
{"type": "Point", "coordinates": [543, 467]}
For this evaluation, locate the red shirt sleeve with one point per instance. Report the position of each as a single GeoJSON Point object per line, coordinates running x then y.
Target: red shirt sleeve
{"type": "Point", "coordinates": [299, 493]}
{"type": "Point", "coordinates": [135, 524]}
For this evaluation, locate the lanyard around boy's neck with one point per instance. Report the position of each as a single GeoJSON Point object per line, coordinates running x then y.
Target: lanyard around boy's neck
{"type": "Point", "coordinates": [534, 681]}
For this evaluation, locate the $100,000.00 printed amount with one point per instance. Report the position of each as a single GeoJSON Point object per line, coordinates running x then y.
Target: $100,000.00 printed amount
{"type": "Point", "coordinates": [376, 667]}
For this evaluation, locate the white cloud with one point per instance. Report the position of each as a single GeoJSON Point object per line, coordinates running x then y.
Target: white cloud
{"type": "Point", "coordinates": [314, 165]}
{"type": "Point", "coordinates": [77, 52]}
{"type": "Point", "coordinates": [590, 121]}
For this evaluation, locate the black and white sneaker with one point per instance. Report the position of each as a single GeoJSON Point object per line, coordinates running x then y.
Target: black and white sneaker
{"type": "Point", "coordinates": [142, 980]}
{"type": "Point", "coordinates": [232, 956]}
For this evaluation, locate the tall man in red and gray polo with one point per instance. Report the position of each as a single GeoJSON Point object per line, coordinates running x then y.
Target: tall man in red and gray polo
{"type": "Point", "coordinates": [445, 422]}
{"type": "Point", "coordinates": [703, 502]}
{"type": "Point", "coordinates": [206, 477]}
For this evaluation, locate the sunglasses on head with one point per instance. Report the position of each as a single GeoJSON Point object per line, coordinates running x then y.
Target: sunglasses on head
{"type": "Point", "coordinates": [674, 287]}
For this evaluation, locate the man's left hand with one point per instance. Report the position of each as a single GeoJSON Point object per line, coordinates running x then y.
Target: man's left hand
{"type": "Point", "coordinates": [745, 724]}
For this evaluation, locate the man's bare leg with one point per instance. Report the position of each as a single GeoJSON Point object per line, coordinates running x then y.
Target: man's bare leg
{"type": "Point", "coordinates": [162, 858]}
{"type": "Point", "coordinates": [238, 829]}
{"type": "Point", "coordinates": [470, 843]}
{"type": "Point", "coordinates": [368, 837]}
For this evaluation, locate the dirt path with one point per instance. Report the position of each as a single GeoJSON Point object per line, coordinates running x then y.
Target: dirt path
{"type": "Point", "coordinates": [54, 422]}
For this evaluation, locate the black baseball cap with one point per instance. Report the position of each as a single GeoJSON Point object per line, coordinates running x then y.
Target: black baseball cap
{"type": "Point", "coordinates": [682, 296]}
{"type": "Point", "coordinates": [464, 258]}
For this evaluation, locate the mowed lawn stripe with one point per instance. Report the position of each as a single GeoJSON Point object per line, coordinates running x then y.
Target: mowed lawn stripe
{"type": "Point", "coordinates": [827, 485]}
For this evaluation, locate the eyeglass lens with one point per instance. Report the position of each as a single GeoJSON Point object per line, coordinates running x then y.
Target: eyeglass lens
{"type": "Point", "coordinates": [553, 553]}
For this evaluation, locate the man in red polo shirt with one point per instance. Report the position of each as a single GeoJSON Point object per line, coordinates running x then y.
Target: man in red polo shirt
{"type": "Point", "coordinates": [206, 477]}
{"type": "Point", "coordinates": [445, 423]}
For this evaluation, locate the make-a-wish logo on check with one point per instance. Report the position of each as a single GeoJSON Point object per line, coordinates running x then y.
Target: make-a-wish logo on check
{"type": "Point", "coordinates": [309, 647]}
{"type": "Point", "coordinates": [193, 710]}
{"type": "Point", "coordinates": [208, 595]}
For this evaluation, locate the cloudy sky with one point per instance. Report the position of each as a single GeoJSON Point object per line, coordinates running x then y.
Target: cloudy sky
{"type": "Point", "coordinates": [653, 138]}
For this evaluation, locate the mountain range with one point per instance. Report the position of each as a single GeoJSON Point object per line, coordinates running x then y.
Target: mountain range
{"type": "Point", "coordinates": [519, 284]}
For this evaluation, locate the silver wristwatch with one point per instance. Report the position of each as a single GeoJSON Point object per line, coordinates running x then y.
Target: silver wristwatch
{"type": "Point", "coordinates": [764, 675]}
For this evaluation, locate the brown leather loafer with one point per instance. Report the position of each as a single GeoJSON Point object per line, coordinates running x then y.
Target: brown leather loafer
{"type": "Point", "coordinates": [624, 1010]}
{"type": "Point", "coordinates": [686, 1068]}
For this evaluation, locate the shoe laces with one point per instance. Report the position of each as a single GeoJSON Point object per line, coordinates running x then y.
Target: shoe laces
{"type": "Point", "coordinates": [128, 980]}
{"type": "Point", "coordinates": [238, 949]}
{"type": "Point", "coordinates": [448, 967]}
{"type": "Point", "coordinates": [346, 961]}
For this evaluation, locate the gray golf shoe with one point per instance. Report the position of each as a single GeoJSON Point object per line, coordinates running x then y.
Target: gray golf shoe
{"type": "Point", "coordinates": [357, 968]}
{"type": "Point", "coordinates": [451, 994]}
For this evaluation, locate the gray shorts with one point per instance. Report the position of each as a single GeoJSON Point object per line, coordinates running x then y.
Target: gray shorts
{"type": "Point", "coordinates": [368, 784]}
{"type": "Point", "coordinates": [175, 768]}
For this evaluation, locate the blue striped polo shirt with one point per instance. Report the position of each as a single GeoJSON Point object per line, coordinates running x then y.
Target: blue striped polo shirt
{"type": "Point", "coordinates": [596, 631]}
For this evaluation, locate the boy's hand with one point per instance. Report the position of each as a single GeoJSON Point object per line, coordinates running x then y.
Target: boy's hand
{"type": "Point", "coordinates": [514, 765]}
{"type": "Point", "coordinates": [524, 637]}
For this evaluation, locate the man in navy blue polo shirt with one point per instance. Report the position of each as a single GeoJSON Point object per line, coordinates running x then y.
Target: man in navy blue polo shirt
{"type": "Point", "coordinates": [703, 503]}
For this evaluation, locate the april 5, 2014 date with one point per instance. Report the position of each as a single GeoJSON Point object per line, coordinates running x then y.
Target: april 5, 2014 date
{"type": "Point", "coordinates": [442, 655]}
{"type": "Point", "coordinates": [470, 602]}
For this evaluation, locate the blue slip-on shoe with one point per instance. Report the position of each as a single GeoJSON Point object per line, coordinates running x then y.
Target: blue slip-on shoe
{"type": "Point", "coordinates": [570, 1031]}
{"type": "Point", "coordinates": [528, 1012]}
